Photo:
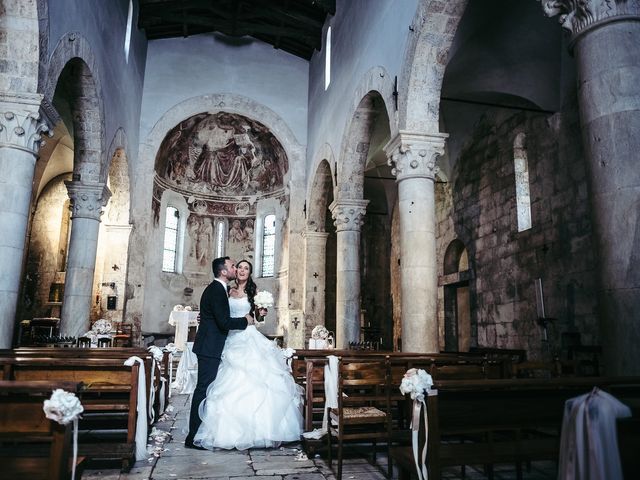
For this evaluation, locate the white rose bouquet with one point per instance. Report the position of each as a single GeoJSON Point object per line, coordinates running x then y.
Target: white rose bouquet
{"type": "Point", "coordinates": [416, 383]}
{"type": "Point", "coordinates": [262, 300]}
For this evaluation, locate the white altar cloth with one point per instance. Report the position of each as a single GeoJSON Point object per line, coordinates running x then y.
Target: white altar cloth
{"type": "Point", "coordinates": [182, 320]}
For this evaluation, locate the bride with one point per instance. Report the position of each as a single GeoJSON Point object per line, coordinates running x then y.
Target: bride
{"type": "Point", "coordinates": [254, 401]}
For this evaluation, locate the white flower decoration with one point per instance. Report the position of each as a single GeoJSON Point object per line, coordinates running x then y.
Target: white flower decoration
{"type": "Point", "coordinates": [178, 308]}
{"type": "Point", "coordinates": [263, 299]}
{"type": "Point", "coordinates": [319, 332]}
{"type": "Point", "coordinates": [156, 352]}
{"type": "Point", "coordinates": [416, 383]}
{"type": "Point", "coordinates": [63, 407]}
{"type": "Point", "coordinates": [102, 327]}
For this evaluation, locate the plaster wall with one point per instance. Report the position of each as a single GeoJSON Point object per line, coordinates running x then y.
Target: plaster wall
{"type": "Point", "coordinates": [182, 68]}
{"type": "Point", "coordinates": [364, 34]}
{"type": "Point", "coordinates": [45, 245]}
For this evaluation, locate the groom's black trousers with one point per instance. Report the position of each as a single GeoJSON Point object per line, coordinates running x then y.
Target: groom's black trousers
{"type": "Point", "coordinates": [207, 372]}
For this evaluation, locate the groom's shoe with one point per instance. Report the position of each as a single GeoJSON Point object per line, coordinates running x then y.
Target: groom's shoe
{"type": "Point", "coordinates": [190, 444]}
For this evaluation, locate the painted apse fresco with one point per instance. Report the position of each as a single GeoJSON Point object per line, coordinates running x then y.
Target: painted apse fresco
{"type": "Point", "coordinates": [222, 163]}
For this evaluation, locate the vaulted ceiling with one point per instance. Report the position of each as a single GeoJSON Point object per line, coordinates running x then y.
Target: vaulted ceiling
{"type": "Point", "coordinates": [294, 26]}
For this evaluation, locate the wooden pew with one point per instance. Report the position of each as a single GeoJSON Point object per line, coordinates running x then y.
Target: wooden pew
{"type": "Point", "coordinates": [161, 371]}
{"type": "Point", "coordinates": [487, 422]}
{"type": "Point", "coordinates": [31, 445]}
{"type": "Point", "coordinates": [110, 399]}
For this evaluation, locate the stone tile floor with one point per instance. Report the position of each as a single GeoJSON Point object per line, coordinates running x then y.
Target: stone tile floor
{"type": "Point", "coordinates": [176, 462]}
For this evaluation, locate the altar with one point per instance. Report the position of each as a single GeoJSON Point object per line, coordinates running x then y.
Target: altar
{"type": "Point", "coordinates": [183, 320]}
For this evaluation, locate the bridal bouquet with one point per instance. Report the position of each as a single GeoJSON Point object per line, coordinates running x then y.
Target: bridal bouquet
{"type": "Point", "coordinates": [416, 383]}
{"type": "Point", "coordinates": [263, 299]}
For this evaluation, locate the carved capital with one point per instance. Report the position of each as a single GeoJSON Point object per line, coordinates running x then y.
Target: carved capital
{"type": "Point", "coordinates": [87, 200]}
{"type": "Point", "coordinates": [578, 15]}
{"type": "Point", "coordinates": [414, 155]}
{"type": "Point", "coordinates": [348, 214]}
{"type": "Point", "coordinates": [20, 125]}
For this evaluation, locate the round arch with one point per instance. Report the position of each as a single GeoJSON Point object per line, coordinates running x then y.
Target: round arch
{"type": "Point", "coordinates": [74, 62]}
{"type": "Point", "coordinates": [425, 61]}
{"type": "Point", "coordinates": [320, 196]}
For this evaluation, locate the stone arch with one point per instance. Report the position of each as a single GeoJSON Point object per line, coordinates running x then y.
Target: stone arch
{"type": "Point", "coordinates": [221, 102]}
{"type": "Point", "coordinates": [373, 93]}
{"type": "Point", "coordinates": [73, 66]}
{"type": "Point", "coordinates": [455, 258]}
{"type": "Point", "coordinates": [20, 25]}
{"type": "Point", "coordinates": [118, 177]}
{"type": "Point", "coordinates": [425, 61]}
{"type": "Point", "coordinates": [355, 147]}
{"type": "Point", "coordinates": [321, 190]}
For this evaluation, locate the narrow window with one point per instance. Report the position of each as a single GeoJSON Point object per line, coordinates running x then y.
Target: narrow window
{"type": "Point", "coordinates": [127, 35]}
{"type": "Point", "coordinates": [268, 245]}
{"type": "Point", "coordinates": [172, 221]}
{"type": "Point", "coordinates": [220, 235]}
{"type": "Point", "coordinates": [327, 59]}
{"type": "Point", "coordinates": [521, 170]}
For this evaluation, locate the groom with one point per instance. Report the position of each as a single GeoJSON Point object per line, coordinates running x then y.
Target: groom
{"type": "Point", "coordinates": [215, 323]}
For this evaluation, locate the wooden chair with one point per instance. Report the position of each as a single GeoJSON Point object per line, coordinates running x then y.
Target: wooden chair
{"type": "Point", "coordinates": [364, 410]}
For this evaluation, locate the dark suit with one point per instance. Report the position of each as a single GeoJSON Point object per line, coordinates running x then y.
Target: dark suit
{"type": "Point", "coordinates": [215, 323]}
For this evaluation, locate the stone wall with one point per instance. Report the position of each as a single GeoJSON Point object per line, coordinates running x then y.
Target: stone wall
{"type": "Point", "coordinates": [504, 263]}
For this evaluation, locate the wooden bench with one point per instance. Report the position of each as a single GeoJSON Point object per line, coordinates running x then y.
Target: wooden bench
{"type": "Point", "coordinates": [487, 422]}
{"type": "Point", "coordinates": [110, 399]}
{"type": "Point", "coordinates": [31, 445]}
{"type": "Point", "coordinates": [161, 371]}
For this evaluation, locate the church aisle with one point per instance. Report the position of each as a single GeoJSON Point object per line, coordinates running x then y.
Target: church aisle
{"type": "Point", "coordinates": [176, 462]}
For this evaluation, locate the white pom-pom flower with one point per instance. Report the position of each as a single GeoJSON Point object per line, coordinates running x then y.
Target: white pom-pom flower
{"type": "Point", "coordinates": [63, 407]}
{"type": "Point", "coordinates": [416, 383]}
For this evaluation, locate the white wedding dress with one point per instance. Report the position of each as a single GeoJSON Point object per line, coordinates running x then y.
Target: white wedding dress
{"type": "Point", "coordinates": [254, 401]}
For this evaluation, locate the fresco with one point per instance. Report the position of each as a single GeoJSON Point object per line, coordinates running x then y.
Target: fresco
{"type": "Point", "coordinates": [222, 154]}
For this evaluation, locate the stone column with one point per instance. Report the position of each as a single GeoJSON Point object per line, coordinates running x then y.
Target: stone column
{"type": "Point", "coordinates": [348, 217]}
{"type": "Point", "coordinates": [413, 158]}
{"type": "Point", "coordinates": [315, 278]}
{"type": "Point", "coordinates": [606, 45]}
{"type": "Point", "coordinates": [87, 201]}
{"type": "Point", "coordinates": [20, 139]}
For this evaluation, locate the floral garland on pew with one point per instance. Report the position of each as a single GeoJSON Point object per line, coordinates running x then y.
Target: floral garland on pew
{"type": "Point", "coordinates": [417, 383]}
{"type": "Point", "coordinates": [65, 407]}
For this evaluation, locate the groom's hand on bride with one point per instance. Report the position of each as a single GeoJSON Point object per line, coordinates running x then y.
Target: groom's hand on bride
{"type": "Point", "coordinates": [250, 319]}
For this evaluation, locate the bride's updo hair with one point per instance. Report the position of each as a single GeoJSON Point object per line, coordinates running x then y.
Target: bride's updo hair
{"type": "Point", "coordinates": [251, 288]}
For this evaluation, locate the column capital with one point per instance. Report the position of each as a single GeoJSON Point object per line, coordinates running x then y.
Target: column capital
{"type": "Point", "coordinates": [87, 199]}
{"type": "Point", "coordinates": [20, 125]}
{"type": "Point", "coordinates": [414, 155]}
{"type": "Point", "coordinates": [576, 17]}
{"type": "Point", "coordinates": [348, 214]}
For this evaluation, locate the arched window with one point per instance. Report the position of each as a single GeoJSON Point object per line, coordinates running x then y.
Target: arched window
{"type": "Point", "coordinates": [327, 59]}
{"type": "Point", "coordinates": [221, 230]}
{"type": "Point", "coordinates": [170, 246]}
{"type": "Point", "coordinates": [521, 171]}
{"type": "Point", "coordinates": [127, 35]}
{"type": "Point", "coordinates": [268, 246]}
